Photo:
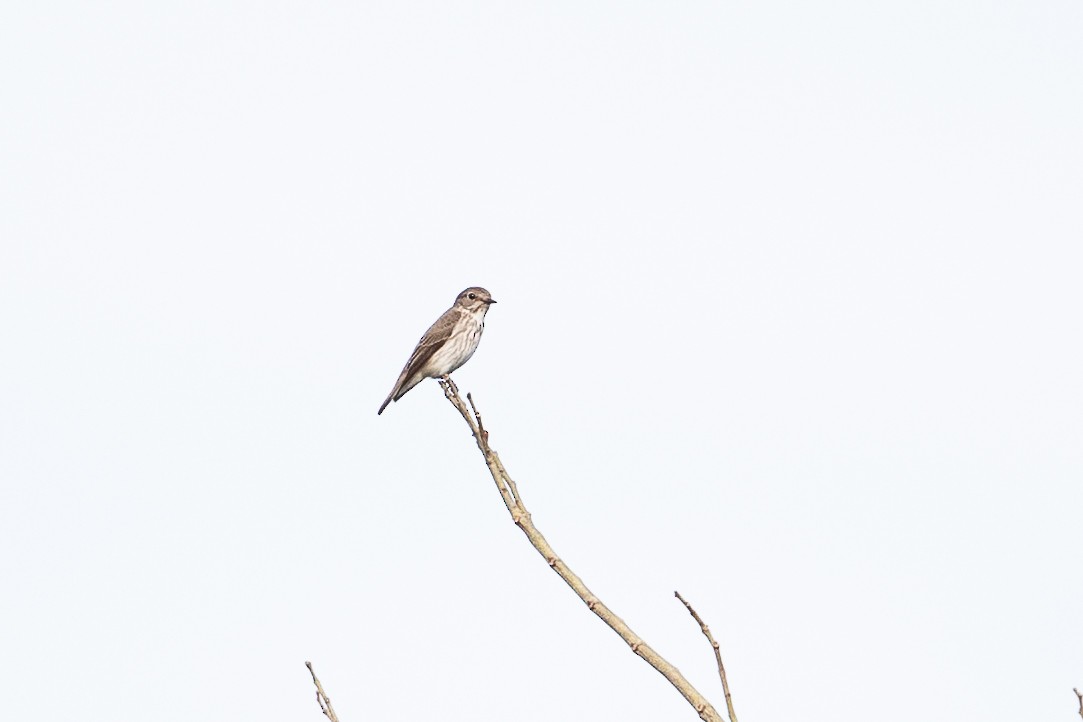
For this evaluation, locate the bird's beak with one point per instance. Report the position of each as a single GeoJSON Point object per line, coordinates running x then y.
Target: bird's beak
{"type": "Point", "coordinates": [491, 300]}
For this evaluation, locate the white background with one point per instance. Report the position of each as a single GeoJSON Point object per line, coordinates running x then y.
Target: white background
{"type": "Point", "coordinates": [789, 320]}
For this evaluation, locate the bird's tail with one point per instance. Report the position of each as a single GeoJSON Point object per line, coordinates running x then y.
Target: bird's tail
{"type": "Point", "coordinates": [387, 400]}
{"type": "Point", "coordinates": [400, 390]}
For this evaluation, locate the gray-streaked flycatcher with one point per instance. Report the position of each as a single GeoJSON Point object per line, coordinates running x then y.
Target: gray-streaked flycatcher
{"type": "Point", "coordinates": [447, 345]}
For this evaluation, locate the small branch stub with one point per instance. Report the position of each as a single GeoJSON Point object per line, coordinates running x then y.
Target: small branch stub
{"type": "Point", "coordinates": [1080, 698]}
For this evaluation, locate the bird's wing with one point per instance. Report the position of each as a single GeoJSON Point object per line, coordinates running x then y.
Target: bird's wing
{"type": "Point", "coordinates": [437, 334]}
{"type": "Point", "coordinates": [433, 339]}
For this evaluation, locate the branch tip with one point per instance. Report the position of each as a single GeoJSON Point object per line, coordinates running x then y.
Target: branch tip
{"type": "Point", "coordinates": [321, 696]}
{"type": "Point", "coordinates": [717, 654]}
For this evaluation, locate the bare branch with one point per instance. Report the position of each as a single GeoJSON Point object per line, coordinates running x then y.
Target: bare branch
{"type": "Point", "coordinates": [321, 696]}
{"type": "Point", "coordinates": [1080, 698]}
{"type": "Point", "coordinates": [717, 654]}
{"type": "Point", "coordinates": [519, 514]}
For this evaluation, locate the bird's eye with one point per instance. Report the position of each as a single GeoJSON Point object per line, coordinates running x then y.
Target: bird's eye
{"type": "Point", "coordinates": [473, 296]}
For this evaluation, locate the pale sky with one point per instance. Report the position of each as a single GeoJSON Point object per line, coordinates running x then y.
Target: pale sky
{"type": "Point", "coordinates": [789, 320]}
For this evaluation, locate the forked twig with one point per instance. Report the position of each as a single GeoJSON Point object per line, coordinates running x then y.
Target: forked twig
{"type": "Point", "coordinates": [321, 696]}
{"type": "Point", "coordinates": [519, 514]}
{"type": "Point", "coordinates": [717, 654]}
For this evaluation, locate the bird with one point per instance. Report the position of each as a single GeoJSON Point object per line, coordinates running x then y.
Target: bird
{"type": "Point", "coordinates": [447, 345]}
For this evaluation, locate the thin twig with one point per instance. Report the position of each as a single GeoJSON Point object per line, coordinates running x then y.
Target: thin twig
{"type": "Point", "coordinates": [477, 416]}
{"type": "Point", "coordinates": [321, 696]}
{"type": "Point", "coordinates": [717, 654]}
{"type": "Point", "coordinates": [519, 514]}
{"type": "Point", "coordinates": [1080, 698]}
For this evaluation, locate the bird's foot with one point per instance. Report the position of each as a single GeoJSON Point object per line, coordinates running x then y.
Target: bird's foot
{"type": "Point", "coordinates": [445, 379]}
{"type": "Point", "coordinates": [454, 388]}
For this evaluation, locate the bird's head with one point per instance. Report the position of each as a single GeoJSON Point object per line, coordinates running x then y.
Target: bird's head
{"type": "Point", "coordinates": [474, 299]}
